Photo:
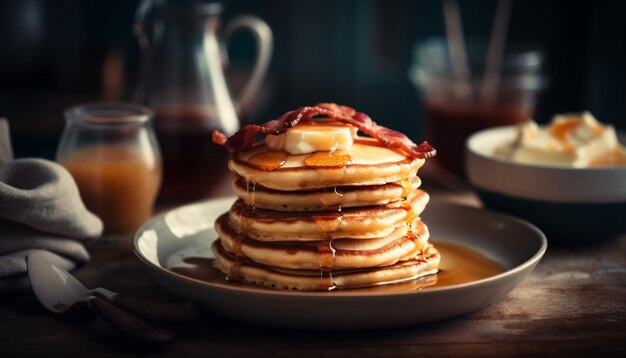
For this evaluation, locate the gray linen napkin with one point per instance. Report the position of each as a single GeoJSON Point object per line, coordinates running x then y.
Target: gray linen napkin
{"type": "Point", "coordinates": [40, 208]}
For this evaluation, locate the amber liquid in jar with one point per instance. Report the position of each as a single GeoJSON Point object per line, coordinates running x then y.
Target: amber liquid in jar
{"type": "Point", "coordinates": [117, 183]}
{"type": "Point", "coordinates": [192, 164]}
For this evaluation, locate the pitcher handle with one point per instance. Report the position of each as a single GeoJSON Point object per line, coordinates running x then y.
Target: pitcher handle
{"type": "Point", "coordinates": [263, 36]}
{"type": "Point", "coordinates": [139, 30]}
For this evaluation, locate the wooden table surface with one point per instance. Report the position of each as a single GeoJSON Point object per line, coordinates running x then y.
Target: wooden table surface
{"type": "Point", "coordinates": [573, 303]}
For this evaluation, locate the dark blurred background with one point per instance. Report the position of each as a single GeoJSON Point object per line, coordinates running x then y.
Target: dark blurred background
{"type": "Point", "coordinates": [57, 53]}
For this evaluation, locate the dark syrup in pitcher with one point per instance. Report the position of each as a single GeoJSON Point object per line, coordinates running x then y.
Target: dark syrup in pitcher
{"type": "Point", "coordinates": [193, 165]}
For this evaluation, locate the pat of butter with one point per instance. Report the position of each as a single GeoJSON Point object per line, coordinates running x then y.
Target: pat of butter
{"type": "Point", "coordinates": [314, 137]}
{"type": "Point", "coordinates": [573, 140]}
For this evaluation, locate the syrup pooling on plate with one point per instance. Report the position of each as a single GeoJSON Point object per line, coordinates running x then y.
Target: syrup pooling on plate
{"type": "Point", "coordinates": [459, 265]}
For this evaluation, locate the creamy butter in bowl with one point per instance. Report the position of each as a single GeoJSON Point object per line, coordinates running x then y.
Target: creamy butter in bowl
{"type": "Point", "coordinates": [568, 178]}
{"type": "Point", "coordinates": [570, 140]}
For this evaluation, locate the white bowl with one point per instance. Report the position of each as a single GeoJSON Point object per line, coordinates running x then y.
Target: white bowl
{"type": "Point", "coordinates": [567, 203]}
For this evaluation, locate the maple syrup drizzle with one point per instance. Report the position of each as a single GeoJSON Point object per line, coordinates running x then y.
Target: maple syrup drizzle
{"type": "Point", "coordinates": [563, 128]}
{"type": "Point", "coordinates": [326, 281]}
{"type": "Point", "coordinates": [416, 238]}
{"type": "Point", "coordinates": [234, 273]}
{"type": "Point", "coordinates": [340, 195]}
{"type": "Point", "coordinates": [326, 253]}
{"type": "Point", "coordinates": [242, 233]}
{"type": "Point", "coordinates": [329, 199]}
{"type": "Point", "coordinates": [250, 194]}
{"type": "Point", "coordinates": [332, 159]}
{"type": "Point", "coordinates": [244, 221]}
{"type": "Point", "coordinates": [411, 213]}
{"type": "Point", "coordinates": [406, 187]}
{"type": "Point", "coordinates": [337, 192]}
{"type": "Point", "coordinates": [325, 250]}
{"type": "Point", "coordinates": [240, 228]}
{"type": "Point", "coordinates": [562, 131]}
{"type": "Point", "coordinates": [269, 160]}
{"type": "Point", "coordinates": [237, 241]}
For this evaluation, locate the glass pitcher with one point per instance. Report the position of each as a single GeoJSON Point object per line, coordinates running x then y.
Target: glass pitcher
{"type": "Point", "coordinates": [182, 80]}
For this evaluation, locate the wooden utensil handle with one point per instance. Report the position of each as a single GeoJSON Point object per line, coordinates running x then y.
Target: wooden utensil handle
{"type": "Point", "coordinates": [132, 327]}
{"type": "Point", "coordinates": [157, 311]}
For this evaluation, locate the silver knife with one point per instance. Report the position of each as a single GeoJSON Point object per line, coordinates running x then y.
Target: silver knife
{"type": "Point", "coordinates": [58, 291]}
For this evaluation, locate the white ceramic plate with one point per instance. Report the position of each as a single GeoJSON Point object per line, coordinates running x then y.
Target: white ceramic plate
{"type": "Point", "coordinates": [188, 232]}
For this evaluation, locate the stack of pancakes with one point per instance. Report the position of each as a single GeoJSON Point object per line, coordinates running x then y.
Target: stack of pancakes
{"type": "Point", "coordinates": [342, 219]}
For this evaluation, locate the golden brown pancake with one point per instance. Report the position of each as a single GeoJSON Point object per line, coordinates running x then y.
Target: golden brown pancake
{"type": "Point", "coordinates": [346, 216]}
{"type": "Point", "coordinates": [339, 253]}
{"type": "Point", "coordinates": [315, 280]}
{"type": "Point", "coordinates": [357, 223]}
{"type": "Point", "coordinates": [368, 163]}
{"type": "Point", "coordinates": [258, 196]}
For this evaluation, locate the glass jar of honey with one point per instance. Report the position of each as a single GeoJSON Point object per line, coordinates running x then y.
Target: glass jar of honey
{"type": "Point", "coordinates": [111, 151]}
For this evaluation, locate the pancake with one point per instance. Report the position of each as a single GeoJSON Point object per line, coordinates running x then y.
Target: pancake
{"type": "Point", "coordinates": [367, 162]}
{"type": "Point", "coordinates": [340, 253]}
{"type": "Point", "coordinates": [311, 280]}
{"type": "Point", "coordinates": [357, 223]}
{"type": "Point", "coordinates": [259, 196]}
{"type": "Point", "coordinates": [344, 215]}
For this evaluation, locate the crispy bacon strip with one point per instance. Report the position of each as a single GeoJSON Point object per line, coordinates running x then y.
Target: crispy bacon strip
{"type": "Point", "coordinates": [244, 138]}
